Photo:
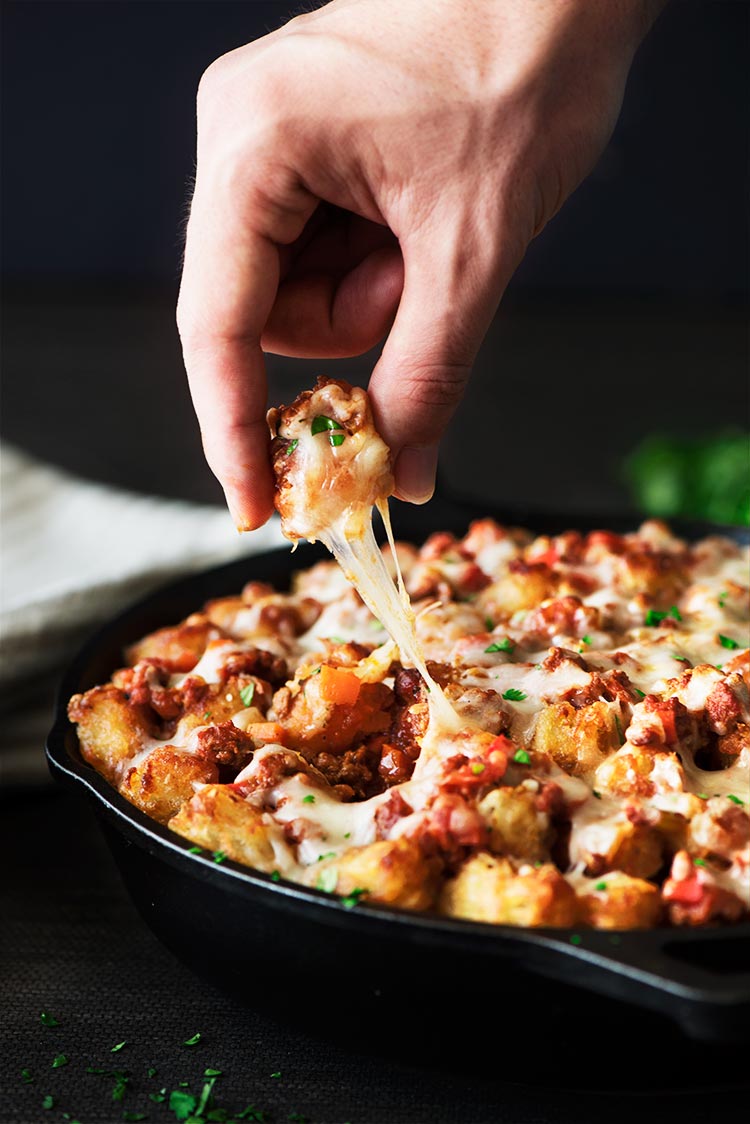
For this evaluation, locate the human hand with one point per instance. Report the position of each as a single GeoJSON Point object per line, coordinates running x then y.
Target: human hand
{"type": "Point", "coordinates": [380, 166]}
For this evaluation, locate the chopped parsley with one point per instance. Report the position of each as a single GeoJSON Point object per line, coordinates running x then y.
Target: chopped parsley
{"type": "Point", "coordinates": [655, 617]}
{"type": "Point", "coordinates": [521, 757]}
{"type": "Point", "coordinates": [680, 659]}
{"type": "Point", "coordinates": [376, 624]}
{"type": "Point", "coordinates": [600, 886]}
{"type": "Point", "coordinates": [489, 624]}
{"type": "Point", "coordinates": [477, 767]}
{"type": "Point", "coordinates": [586, 640]}
{"type": "Point", "coordinates": [118, 1047]}
{"type": "Point", "coordinates": [182, 1104]}
{"type": "Point", "coordinates": [337, 639]}
{"type": "Point", "coordinates": [218, 856]}
{"type": "Point", "coordinates": [722, 598]}
{"type": "Point", "coordinates": [48, 1102]}
{"type": "Point", "coordinates": [195, 850]}
{"type": "Point", "coordinates": [598, 795]}
{"type": "Point", "coordinates": [641, 694]}
{"type": "Point", "coordinates": [207, 715]}
{"type": "Point", "coordinates": [699, 862]}
{"type": "Point", "coordinates": [352, 898]}
{"type": "Point", "coordinates": [309, 799]}
{"type": "Point", "coordinates": [504, 645]}
{"type": "Point", "coordinates": [292, 446]}
{"type": "Point", "coordinates": [247, 694]}
{"type": "Point", "coordinates": [60, 1060]}
{"type": "Point", "coordinates": [212, 1072]}
{"type": "Point", "coordinates": [48, 1020]}
{"type": "Point", "coordinates": [322, 424]}
{"type": "Point", "coordinates": [277, 1073]}
{"type": "Point", "coordinates": [152, 1072]}
{"type": "Point", "coordinates": [327, 880]}
{"type": "Point", "coordinates": [159, 1097]}
{"type": "Point", "coordinates": [26, 1076]}
{"type": "Point", "coordinates": [121, 1086]}
{"type": "Point", "coordinates": [514, 695]}
{"type": "Point", "coordinates": [620, 734]}
{"type": "Point", "coordinates": [735, 799]}
{"type": "Point", "coordinates": [275, 876]}
{"type": "Point", "coordinates": [575, 938]}
{"type": "Point", "coordinates": [193, 1041]}
{"type": "Point", "coordinates": [727, 642]}
{"type": "Point", "coordinates": [702, 795]}
{"type": "Point", "coordinates": [327, 855]}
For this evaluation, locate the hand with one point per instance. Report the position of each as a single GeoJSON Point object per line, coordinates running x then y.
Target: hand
{"type": "Point", "coordinates": [380, 166]}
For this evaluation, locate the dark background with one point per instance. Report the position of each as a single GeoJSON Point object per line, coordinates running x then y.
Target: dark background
{"type": "Point", "coordinates": [629, 314]}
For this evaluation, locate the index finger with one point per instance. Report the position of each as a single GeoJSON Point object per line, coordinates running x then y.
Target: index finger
{"type": "Point", "coordinates": [229, 282]}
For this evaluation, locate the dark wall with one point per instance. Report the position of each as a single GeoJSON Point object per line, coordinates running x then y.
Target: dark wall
{"type": "Point", "coordinates": [628, 315]}
{"type": "Point", "coordinates": [98, 125]}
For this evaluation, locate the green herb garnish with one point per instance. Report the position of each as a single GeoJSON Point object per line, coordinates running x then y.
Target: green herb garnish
{"type": "Point", "coordinates": [575, 938]}
{"type": "Point", "coordinates": [514, 695]}
{"type": "Point", "coordinates": [322, 424]}
{"type": "Point", "coordinates": [727, 642]}
{"type": "Point", "coordinates": [598, 795]}
{"type": "Point", "coordinates": [182, 1104]}
{"type": "Point", "coordinates": [48, 1020]}
{"type": "Point", "coordinates": [327, 880]}
{"type": "Point", "coordinates": [309, 799]}
{"type": "Point", "coordinates": [735, 799]}
{"type": "Point", "coordinates": [193, 1041]}
{"type": "Point", "coordinates": [600, 886]}
{"type": "Point", "coordinates": [586, 640]}
{"type": "Point", "coordinates": [327, 855]}
{"type": "Point", "coordinates": [699, 862]}
{"type": "Point", "coordinates": [247, 694]}
{"type": "Point", "coordinates": [292, 446]}
{"type": "Point", "coordinates": [353, 897]}
{"type": "Point", "coordinates": [504, 645]}
{"type": "Point", "coordinates": [218, 856]}
{"type": "Point", "coordinates": [680, 659]}
{"type": "Point", "coordinates": [641, 694]}
{"type": "Point", "coordinates": [275, 876]}
{"type": "Point", "coordinates": [121, 1086]}
{"type": "Point", "coordinates": [26, 1076]}
{"type": "Point", "coordinates": [60, 1060]}
{"type": "Point", "coordinates": [195, 850]}
{"type": "Point", "coordinates": [620, 734]}
{"type": "Point", "coordinates": [722, 598]}
{"type": "Point", "coordinates": [521, 757]}
{"type": "Point", "coordinates": [48, 1102]}
{"type": "Point", "coordinates": [655, 616]}
{"type": "Point", "coordinates": [277, 1073]}
{"type": "Point", "coordinates": [118, 1047]}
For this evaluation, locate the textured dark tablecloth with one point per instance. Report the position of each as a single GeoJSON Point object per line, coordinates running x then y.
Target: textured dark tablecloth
{"type": "Point", "coordinates": [72, 944]}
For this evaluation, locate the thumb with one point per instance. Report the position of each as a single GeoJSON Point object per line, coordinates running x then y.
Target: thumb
{"type": "Point", "coordinates": [452, 286]}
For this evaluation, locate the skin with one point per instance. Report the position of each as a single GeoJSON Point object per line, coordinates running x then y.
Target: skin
{"type": "Point", "coordinates": [377, 168]}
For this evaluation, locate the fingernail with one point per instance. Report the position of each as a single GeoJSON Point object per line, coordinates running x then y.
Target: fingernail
{"type": "Point", "coordinates": [415, 472]}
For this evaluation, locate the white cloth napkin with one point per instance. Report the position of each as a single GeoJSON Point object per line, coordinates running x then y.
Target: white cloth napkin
{"type": "Point", "coordinates": [74, 552]}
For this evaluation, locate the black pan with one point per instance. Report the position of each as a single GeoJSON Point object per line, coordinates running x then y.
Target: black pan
{"type": "Point", "coordinates": [247, 934]}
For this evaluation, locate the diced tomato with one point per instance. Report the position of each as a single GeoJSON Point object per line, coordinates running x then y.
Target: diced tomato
{"type": "Point", "coordinates": [669, 725]}
{"type": "Point", "coordinates": [339, 686]}
{"type": "Point", "coordinates": [688, 892]}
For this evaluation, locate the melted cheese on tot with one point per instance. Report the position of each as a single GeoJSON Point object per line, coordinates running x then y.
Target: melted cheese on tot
{"type": "Point", "coordinates": [332, 468]}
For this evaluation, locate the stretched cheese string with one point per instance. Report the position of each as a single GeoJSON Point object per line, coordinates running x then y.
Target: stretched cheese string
{"type": "Point", "coordinates": [353, 545]}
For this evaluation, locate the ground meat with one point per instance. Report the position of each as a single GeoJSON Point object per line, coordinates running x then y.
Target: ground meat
{"type": "Point", "coordinates": [257, 662]}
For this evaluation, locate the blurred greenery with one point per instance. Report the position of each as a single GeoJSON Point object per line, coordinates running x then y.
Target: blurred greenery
{"type": "Point", "coordinates": [705, 478]}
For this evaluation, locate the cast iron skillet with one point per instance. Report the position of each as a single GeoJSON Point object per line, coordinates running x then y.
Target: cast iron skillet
{"type": "Point", "coordinates": [245, 933]}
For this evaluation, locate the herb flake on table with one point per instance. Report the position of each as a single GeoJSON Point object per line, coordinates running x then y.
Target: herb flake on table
{"type": "Point", "coordinates": [48, 1020]}
{"type": "Point", "coordinates": [218, 856]}
{"type": "Point", "coordinates": [26, 1076]}
{"type": "Point", "coordinates": [59, 1061]}
{"type": "Point", "coordinates": [48, 1102]}
{"type": "Point", "coordinates": [193, 1041]}
{"type": "Point", "coordinates": [118, 1047]}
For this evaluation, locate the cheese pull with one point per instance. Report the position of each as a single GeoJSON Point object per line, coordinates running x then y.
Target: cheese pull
{"type": "Point", "coordinates": [332, 469]}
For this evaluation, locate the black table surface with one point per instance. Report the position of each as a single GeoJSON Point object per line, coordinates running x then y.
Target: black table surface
{"type": "Point", "coordinates": [72, 945]}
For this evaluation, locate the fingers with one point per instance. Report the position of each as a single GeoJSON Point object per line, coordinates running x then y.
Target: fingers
{"type": "Point", "coordinates": [229, 281]}
{"type": "Point", "coordinates": [323, 316]}
{"type": "Point", "coordinates": [452, 285]}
